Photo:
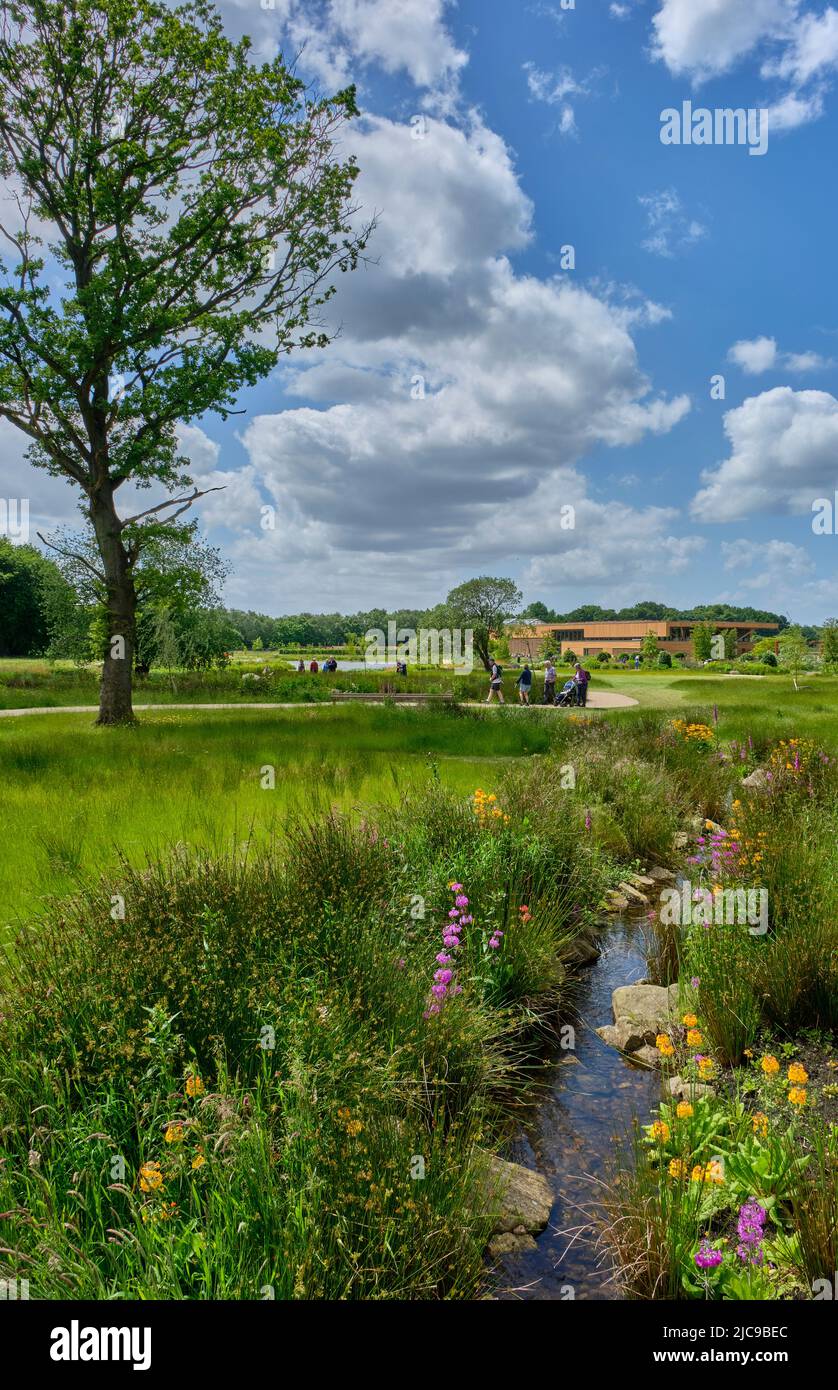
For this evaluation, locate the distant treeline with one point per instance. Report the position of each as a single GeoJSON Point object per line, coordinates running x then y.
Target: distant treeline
{"type": "Point", "coordinates": [40, 615]}
{"type": "Point", "coordinates": [658, 612]}
{"type": "Point", "coordinates": [320, 629]}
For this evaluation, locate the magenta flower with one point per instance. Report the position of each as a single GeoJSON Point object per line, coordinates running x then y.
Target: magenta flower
{"type": "Point", "coordinates": [706, 1257]}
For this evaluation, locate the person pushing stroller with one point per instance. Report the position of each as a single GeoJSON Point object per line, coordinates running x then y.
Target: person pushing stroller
{"type": "Point", "coordinates": [581, 677]}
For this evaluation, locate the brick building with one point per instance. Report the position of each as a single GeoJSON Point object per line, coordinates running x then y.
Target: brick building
{"type": "Point", "coordinates": [626, 638]}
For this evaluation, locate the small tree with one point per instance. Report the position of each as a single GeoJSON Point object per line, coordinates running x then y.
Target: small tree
{"type": "Point", "coordinates": [794, 653]}
{"type": "Point", "coordinates": [195, 205]}
{"type": "Point", "coordinates": [664, 659]}
{"type": "Point", "coordinates": [702, 642]}
{"type": "Point", "coordinates": [484, 605]}
{"type": "Point", "coordinates": [829, 642]}
{"type": "Point", "coordinates": [650, 647]}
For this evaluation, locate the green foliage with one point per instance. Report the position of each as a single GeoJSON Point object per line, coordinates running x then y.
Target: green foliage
{"type": "Point", "coordinates": [483, 605]}
{"type": "Point", "coordinates": [702, 642]}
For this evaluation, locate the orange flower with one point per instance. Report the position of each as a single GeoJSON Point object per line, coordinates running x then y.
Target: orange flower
{"type": "Point", "coordinates": [770, 1065]}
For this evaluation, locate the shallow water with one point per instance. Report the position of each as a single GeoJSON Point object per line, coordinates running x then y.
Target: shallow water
{"type": "Point", "coordinates": [586, 1097]}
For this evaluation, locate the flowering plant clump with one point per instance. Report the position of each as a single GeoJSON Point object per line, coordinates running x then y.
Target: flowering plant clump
{"type": "Point", "coordinates": [445, 982]}
{"type": "Point", "coordinates": [794, 756]}
{"type": "Point", "coordinates": [751, 1231]}
{"type": "Point", "coordinates": [693, 733]}
{"type": "Point", "coordinates": [486, 810]}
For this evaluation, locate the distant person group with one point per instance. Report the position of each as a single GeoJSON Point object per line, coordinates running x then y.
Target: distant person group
{"type": "Point", "coordinates": [314, 666]}
{"type": "Point", "coordinates": [573, 692]}
{"type": "Point", "coordinates": [330, 665]}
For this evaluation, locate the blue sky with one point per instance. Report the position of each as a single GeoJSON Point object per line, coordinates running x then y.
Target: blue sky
{"type": "Point", "coordinates": [546, 387]}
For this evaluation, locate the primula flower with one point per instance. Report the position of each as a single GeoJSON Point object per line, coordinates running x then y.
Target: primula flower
{"type": "Point", "coordinates": [770, 1065]}
{"type": "Point", "coordinates": [798, 1074]}
{"type": "Point", "coordinates": [677, 1168]}
{"type": "Point", "coordinates": [707, 1257]}
{"type": "Point", "coordinates": [759, 1124]}
{"type": "Point", "coordinates": [684, 1110]}
{"type": "Point", "coordinates": [694, 1038]}
{"type": "Point", "coordinates": [660, 1132]}
{"type": "Point", "coordinates": [689, 1020]}
{"type": "Point", "coordinates": [151, 1179]}
{"type": "Point", "coordinates": [174, 1134]}
{"type": "Point", "coordinates": [194, 1086]}
{"type": "Point", "coordinates": [797, 1095]}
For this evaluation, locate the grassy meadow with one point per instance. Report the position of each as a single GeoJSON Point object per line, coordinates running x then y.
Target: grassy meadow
{"type": "Point", "coordinates": [269, 977]}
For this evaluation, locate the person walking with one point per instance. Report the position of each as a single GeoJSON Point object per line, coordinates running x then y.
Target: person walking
{"type": "Point", "coordinates": [581, 678]}
{"type": "Point", "coordinates": [524, 684]}
{"type": "Point", "coordinates": [550, 683]}
{"type": "Point", "coordinates": [301, 666]}
{"type": "Point", "coordinates": [314, 667]}
{"type": "Point", "coordinates": [495, 683]}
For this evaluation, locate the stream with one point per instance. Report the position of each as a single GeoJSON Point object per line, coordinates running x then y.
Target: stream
{"type": "Point", "coordinates": [586, 1097]}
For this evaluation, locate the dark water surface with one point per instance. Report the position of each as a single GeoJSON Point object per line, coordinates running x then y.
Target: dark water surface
{"type": "Point", "coordinates": [586, 1097]}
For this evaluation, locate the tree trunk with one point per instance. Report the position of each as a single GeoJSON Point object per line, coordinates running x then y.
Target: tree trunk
{"type": "Point", "coordinates": [115, 691]}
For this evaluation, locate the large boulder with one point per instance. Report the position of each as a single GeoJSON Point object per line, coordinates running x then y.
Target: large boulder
{"type": "Point", "coordinates": [758, 781]}
{"type": "Point", "coordinates": [526, 1198]}
{"type": "Point", "coordinates": [641, 1012]}
{"type": "Point", "coordinates": [682, 1089]}
{"type": "Point", "coordinates": [661, 875]}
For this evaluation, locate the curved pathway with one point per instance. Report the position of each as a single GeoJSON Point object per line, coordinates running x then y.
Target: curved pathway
{"type": "Point", "coordinates": [602, 699]}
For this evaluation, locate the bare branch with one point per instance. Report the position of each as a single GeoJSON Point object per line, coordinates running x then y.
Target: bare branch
{"type": "Point", "coordinates": [72, 555]}
{"type": "Point", "coordinates": [172, 502]}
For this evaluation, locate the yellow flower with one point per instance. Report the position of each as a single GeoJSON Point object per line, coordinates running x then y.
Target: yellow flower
{"type": "Point", "coordinates": [677, 1168]}
{"type": "Point", "coordinates": [660, 1132]}
{"type": "Point", "coordinates": [492, 797]}
{"type": "Point", "coordinates": [797, 1074]}
{"type": "Point", "coordinates": [706, 1068]}
{"type": "Point", "coordinates": [151, 1179]}
{"type": "Point", "coordinates": [693, 1038]}
{"type": "Point", "coordinates": [770, 1065]}
{"type": "Point", "coordinates": [684, 1110]}
{"type": "Point", "coordinates": [198, 1161]}
{"type": "Point", "coordinates": [194, 1086]}
{"type": "Point", "coordinates": [759, 1123]}
{"type": "Point", "coordinates": [664, 1045]}
{"type": "Point", "coordinates": [797, 1095]}
{"type": "Point", "coordinates": [354, 1128]}
{"type": "Point", "coordinates": [174, 1134]}
{"type": "Point", "coordinates": [689, 1020]}
{"type": "Point", "coordinates": [697, 1174]}
{"type": "Point", "coordinates": [715, 1172]}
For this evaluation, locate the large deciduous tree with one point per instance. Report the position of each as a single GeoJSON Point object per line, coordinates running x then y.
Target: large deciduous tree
{"type": "Point", "coordinates": [179, 213]}
{"type": "Point", "coordinates": [484, 605]}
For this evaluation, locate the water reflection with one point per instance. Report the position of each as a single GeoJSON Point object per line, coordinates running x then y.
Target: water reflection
{"type": "Point", "coordinates": [586, 1098]}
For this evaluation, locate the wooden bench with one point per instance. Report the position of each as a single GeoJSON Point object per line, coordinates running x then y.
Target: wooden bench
{"type": "Point", "coordinates": [418, 697]}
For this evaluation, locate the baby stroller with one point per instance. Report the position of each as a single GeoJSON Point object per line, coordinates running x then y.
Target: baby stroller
{"type": "Point", "coordinates": [566, 696]}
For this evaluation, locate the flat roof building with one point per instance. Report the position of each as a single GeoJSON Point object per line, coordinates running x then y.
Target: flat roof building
{"type": "Point", "coordinates": [620, 638]}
